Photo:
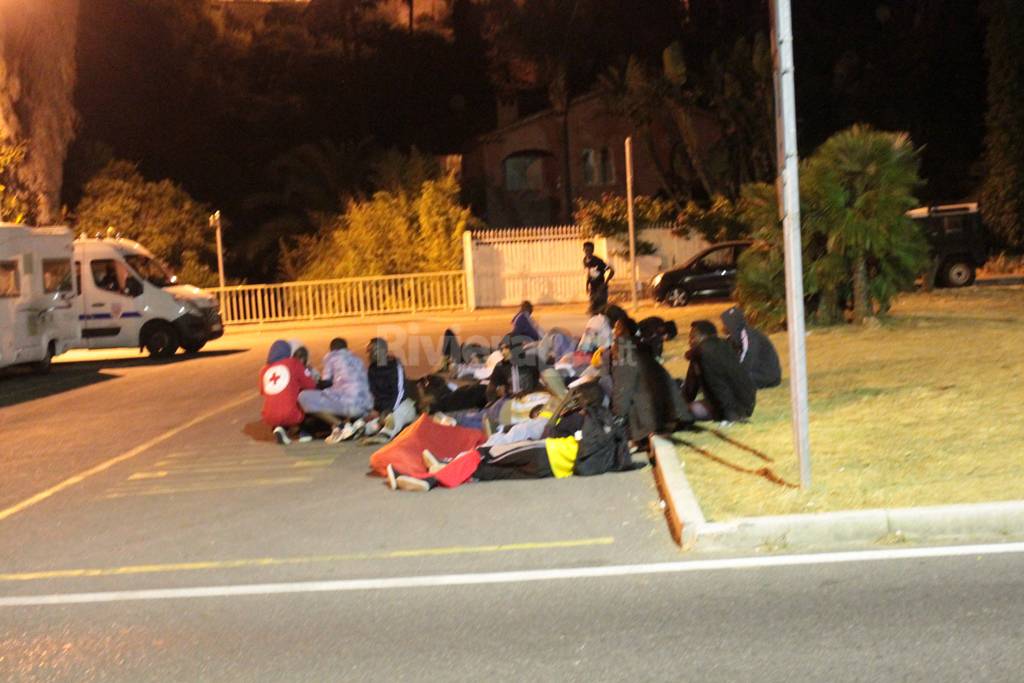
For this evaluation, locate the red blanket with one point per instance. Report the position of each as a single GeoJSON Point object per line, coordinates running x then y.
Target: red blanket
{"type": "Point", "coordinates": [405, 452]}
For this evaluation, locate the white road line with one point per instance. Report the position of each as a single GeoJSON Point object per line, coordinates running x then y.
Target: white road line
{"type": "Point", "coordinates": [448, 580]}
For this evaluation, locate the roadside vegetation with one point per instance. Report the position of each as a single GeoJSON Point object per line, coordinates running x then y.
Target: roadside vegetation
{"type": "Point", "coordinates": [922, 408]}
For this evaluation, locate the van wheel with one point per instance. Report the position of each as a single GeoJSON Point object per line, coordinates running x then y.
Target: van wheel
{"type": "Point", "coordinates": [958, 272]}
{"type": "Point", "coordinates": [677, 297]}
{"type": "Point", "coordinates": [160, 339]}
{"type": "Point", "coordinates": [193, 347]}
{"type": "Point", "coordinates": [43, 366]}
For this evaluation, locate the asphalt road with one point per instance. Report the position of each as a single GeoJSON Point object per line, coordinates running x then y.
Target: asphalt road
{"type": "Point", "coordinates": [122, 475]}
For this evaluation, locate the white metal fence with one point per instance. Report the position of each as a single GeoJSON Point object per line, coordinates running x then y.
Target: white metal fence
{"type": "Point", "coordinates": [348, 297]}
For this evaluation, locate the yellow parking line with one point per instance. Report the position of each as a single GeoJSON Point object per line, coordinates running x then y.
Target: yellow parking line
{"type": "Point", "coordinates": [197, 487]}
{"type": "Point", "coordinates": [147, 475]}
{"type": "Point", "coordinates": [287, 465]}
{"type": "Point", "coordinates": [313, 559]}
{"type": "Point", "coordinates": [131, 453]}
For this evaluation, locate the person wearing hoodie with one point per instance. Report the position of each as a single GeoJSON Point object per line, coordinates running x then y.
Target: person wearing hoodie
{"type": "Point", "coordinates": [281, 381]}
{"type": "Point", "coordinates": [523, 324]}
{"type": "Point", "coordinates": [756, 353]}
{"type": "Point", "coordinates": [728, 392]}
{"type": "Point", "coordinates": [644, 397]}
{"type": "Point", "coordinates": [393, 404]}
{"type": "Point", "coordinates": [347, 400]}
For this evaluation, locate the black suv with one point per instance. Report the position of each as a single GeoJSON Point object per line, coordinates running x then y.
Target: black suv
{"type": "Point", "coordinates": [709, 274]}
{"type": "Point", "coordinates": [957, 239]}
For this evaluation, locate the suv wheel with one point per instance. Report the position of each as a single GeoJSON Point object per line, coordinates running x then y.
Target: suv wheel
{"type": "Point", "coordinates": [677, 296]}
{"type": "Point", "coordinates": [958, 272]}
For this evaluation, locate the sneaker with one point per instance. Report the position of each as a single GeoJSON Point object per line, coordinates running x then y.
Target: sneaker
{"type": "Point", "coordinates": [431, 462]}
{"type": "Point", "coordinates": [443, 419]}
{"type": "Point", "coordinates": [392, 478]}
{"type": "Point", "coordinates": [406, 483]}
{"type": "Point", "coordinates": [352, 429]}
{"type": "Point", "coordinates": [372, 427]}
{"type": "Point", "coordinates": [281, 434]}
{"type": "Point", "coordinates": [336, 435]}
{"type": "Point", "coordinates": [305, 437]}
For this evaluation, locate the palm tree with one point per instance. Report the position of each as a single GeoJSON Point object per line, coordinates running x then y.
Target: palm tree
{"type": "Point", "coordinates": [860, 184]}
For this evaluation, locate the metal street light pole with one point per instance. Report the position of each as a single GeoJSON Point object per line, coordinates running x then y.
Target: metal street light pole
{"type": "Point", "coordinates": [788, 187]}
{"type": "Point", "coordinates": [632, 223]}
{"type": "Point", "coordinates": [215, 223]}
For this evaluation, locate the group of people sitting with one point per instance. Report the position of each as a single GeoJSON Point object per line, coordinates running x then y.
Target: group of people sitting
{"type": "Point", "coordinates": [350, 398]}
{"type": "Point", "coordinates": [543, 404]}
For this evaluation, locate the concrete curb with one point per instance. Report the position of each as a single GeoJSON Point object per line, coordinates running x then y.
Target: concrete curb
{"type": "Point", "coordinates": [685, 518]}
{"type": "Point", "coordinates": [924, 524]}
{"type": "Point", "coordinates": [980, 521]}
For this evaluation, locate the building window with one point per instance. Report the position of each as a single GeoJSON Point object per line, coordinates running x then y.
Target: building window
{"type": "Point", "coordinates": [598, 168]}
{"type": "Point", "coordinates": [524, 172]}
{"type": "Point", "coordinates": [10, 287]}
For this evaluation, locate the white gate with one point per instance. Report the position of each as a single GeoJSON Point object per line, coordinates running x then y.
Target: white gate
{"type": "Point", "coordinates": [544, 265]}
{"type": "Point", "coordinates": [505, 266]}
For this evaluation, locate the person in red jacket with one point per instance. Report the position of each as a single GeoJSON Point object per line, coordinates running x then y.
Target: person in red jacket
{"type": "Point", "coordinates": [281, 380]}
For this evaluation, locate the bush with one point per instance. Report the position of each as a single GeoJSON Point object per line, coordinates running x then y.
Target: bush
{"type": "Point", "coordinates": [609, 217]}
{"type": "Point", "coordinates": [392, 233]}
{"type": "Point", "coordinates": [720, 221]}
{"type": "Point", "coordinates": [859, 248]}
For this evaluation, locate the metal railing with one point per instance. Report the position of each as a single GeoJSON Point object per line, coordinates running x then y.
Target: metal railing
{"type": "Point", "coordinates": [347, 297]}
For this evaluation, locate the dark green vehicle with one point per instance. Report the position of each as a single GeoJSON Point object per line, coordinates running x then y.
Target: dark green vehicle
{"type": "Point", "coordinates": [958, 241]}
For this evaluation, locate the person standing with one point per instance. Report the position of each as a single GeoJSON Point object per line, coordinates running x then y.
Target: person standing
{"type": "Point", "coordinates": [599, 274]}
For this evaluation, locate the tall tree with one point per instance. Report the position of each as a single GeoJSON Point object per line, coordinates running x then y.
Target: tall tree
{"type": "Point", "coordinates": [37, 76]}
{"type": "Point", "coordinates": [1002, 194]}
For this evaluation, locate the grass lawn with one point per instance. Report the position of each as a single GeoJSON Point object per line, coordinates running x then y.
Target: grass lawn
{"type": "Point", "coordinates": [926, 408]}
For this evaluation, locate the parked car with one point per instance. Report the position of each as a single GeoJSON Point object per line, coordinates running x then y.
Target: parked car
{"type": "Point", "coordinates": [711, 274]}
{"type": "Point", "coordinates": [957, 240]}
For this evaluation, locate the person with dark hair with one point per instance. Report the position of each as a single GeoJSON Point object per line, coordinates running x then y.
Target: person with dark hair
{"type": "Point", "coordinates": [715, 372]}
{"type": "Point", "coordinates": [347, 399]}
{"type": "Point", "coordinates": [755, 350]}
{"type": "Point", "coordinates": [523, 324]}
{"type": "Point", "coordinates": [393, 403]}
{"type": "Point", "coordinates": [655, 331]}
{"type": "Point", "coordinates": [512, 376]}
{"type": "Point", "coordinates": [599, 274]}
{"type": "Point", "coordinates": [644, 396]}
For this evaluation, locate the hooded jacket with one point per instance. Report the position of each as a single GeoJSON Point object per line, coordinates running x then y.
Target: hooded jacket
{"type": "Point", "coordinates": [388, 385]}
{"type": "Point", "coordinates": [716, 372]}
{"type": "Point", "coordinates": [281, 380]}
{"type": "Point", "coordinates": [644, 395]}
{"type": "Point", "coordinates": [756, 353]}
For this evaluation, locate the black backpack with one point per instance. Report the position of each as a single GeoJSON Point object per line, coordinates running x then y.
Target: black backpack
{"type": "Point", "coordinates": [603, 446]}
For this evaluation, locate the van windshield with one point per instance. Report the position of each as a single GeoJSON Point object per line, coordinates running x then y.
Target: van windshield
{"type": "Point", "coordinates": [151, 269]}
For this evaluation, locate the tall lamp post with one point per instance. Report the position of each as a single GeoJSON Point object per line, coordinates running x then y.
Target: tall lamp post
{"type": "Point", "coordinates": [788, 188]}
{"type": "Point", "coordinates": [215, 224]}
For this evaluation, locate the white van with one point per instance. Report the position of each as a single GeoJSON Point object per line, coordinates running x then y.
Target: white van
{"type": "Point", "coordinates": [129, 298]}
{"type": "Point", "coordinates": [38, 303]}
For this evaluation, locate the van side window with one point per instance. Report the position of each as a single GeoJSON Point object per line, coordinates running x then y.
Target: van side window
{"type": "Point", "coordinates": [56, 275]}
{"type": "Point", "coordinates": [113, 276]}
{"type": "Point", "coordinates": [78, 277]}
{"type": "Point", "coordinates": [10, 286]}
